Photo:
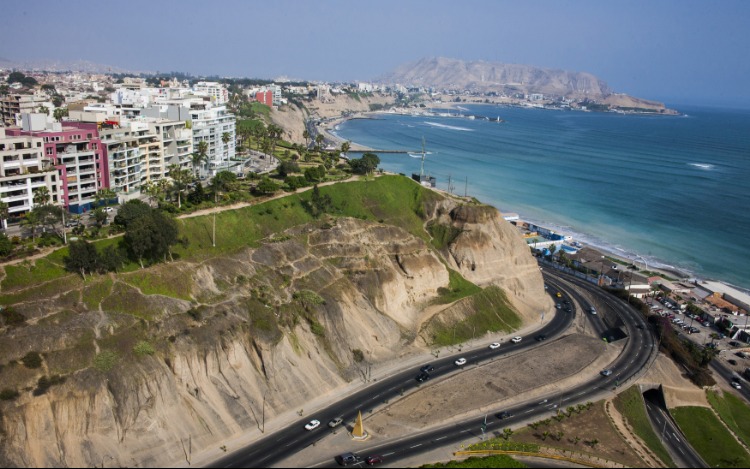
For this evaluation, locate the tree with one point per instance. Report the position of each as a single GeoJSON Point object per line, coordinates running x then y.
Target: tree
{"type": "Point", "coordinates": [274, 134]}
{"type": "Point", "coordinates": [224, 181]}
{"type": "Point", "coordinates": [306, 136]}
{"type": "Point", "coordinates": [507, 433]}
{"type": "Point", "coordinates": [104, 195]}
{"type": "Point", "coordinates": [4, 213]}
{"type": "Point", "coordinates": [6, 246]}
{"type": "Point", "coordinates": [41, 196]}
{"type": "Point", "coordinates": [129, 211]}
{"type": "Point", "coordinates": [82, 257]}
{"type": "Point", "coordinates": [200, 156]}
{"type": "Point", "coordinates": [319, 203]}
{"type": "Point", "coordinates": [31, 223]}
{"type": "Point", "coordinates": [287, 167]}
{"type": "Point", "coordinates": [59, 113]}
{"type": "Point", "coordinates": [225, 137]}
{"type": "Point", "coordinates": [180, 179]}
{"type": "Point", "coordinates": [57, 100]}
{"type": "Point", "coordinates": [111, 259]}
{"type": "Point", "coordinates": [198, 195]}
{"type": "Point", "coordinates": [150, 236]}
{"type": "Point", "coordinates": [100, 216]}
{"type": "Point", "coordinates": [368, 163]}
{"type": "Point", "coordinates": [345, 147]}
{"type": "Point", "coordinates": [43, 110]}
{"type": "Point", "coordinates": [267, 186]}
{"type": "Point", "coordinates": [49, 218]}
{"type": "Point", "coordinates": [319, 139]}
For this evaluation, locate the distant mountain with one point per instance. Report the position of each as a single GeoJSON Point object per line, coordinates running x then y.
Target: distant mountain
{"type": "Point", "coordinates": [56, 65]}
{"type": "Point", "coordinates": [441, 72]}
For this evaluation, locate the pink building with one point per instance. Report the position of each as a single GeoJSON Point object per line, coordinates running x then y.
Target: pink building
{"type": "Point", "coordinates": [77, 153]}
{"type": "Point", "coordinates": [265, 97]}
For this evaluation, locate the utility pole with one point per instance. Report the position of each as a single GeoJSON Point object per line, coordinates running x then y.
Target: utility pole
{"type": "Point", "coordinates": [214, 231]}
{"type": "Point", "coordinates": [466, 187]}
{"type": "Point", "coordinates": [65, 234]}
{"type": "Point", "coordinates": [450, 190]}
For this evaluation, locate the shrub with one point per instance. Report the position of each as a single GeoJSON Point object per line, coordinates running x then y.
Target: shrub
{"type": "Point", "coordinates": [32, 360]}
{"type": "Point", "coordinates": [105, 360]}
{"type": "Point", "coordinates": [8, 394]}
{"type": "Point", "coordinates": [359, 356]}
{"type": "Point", "coordinates": [12, 317]}
{"type": "Point", "coordinates": [143, 348]}
{"type": "Point", "coordinates": [45, 383]}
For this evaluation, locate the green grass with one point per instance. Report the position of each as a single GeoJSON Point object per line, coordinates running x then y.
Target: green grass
{"type": "Point", "coordinates": [710, 438]}
{"type": "Point", "coordinates": [25, 274]}
{"type": "Point", "coordinates": [734, 412]}
{"type": "Point", "coordinates": [498, 460]}
{"type": "Point", "coordinates": [174, 283]}
{"type": "Point", "coordinates": [95, 292]}
{"type": "Point", "coordinates": [458, 287]}
{"type": "Point", "coordinates": [442, 235]}
{"type": "Point", "coordinates": [630, 405]}
{"type": "Point", "coordinates": [491, 312]}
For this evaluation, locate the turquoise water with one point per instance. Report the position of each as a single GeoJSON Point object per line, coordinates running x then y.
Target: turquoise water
{"type": "Point", "coordinates": [670, 189]}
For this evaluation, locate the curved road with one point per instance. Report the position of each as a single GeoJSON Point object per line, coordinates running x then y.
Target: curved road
{"type": "Point", "coordinates": [636, 354]}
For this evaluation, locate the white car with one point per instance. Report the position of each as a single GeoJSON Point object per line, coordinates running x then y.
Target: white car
{"type": "Point", "coordinates": [107, 209]}
{"type": "Point", "coordinates": [606, 372]}
{"type": "Point", "coordinates": [460, 362]}
{"type": "Point", "coordinates": [312, 425]}
{"type": "Point", "coordinates": [494, 345]}
{"type": "Point", "coordinates": [736, 385]}
{"type": "Point", "coordinates": [516, 339]}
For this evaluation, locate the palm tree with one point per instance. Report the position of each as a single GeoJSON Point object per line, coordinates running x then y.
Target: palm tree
{"type": "Point", "coordinates": [319, 140]}
{"type": "Point", "coordinates": [180, 178]}
{"type": "Point", "coordinates": [59, 113]}
{"type": "Point", "coordinates": [31, 221]}
{"type": "Point", "coordinates": [225, 137]}
{"type": "Point", "coordinates": [41, 196]}
{"type": "Point", "coordinates": [201, 156]}
{"type": "Point", "coordinates": [274, 133]}
{"type": "Point", "coordinates": [345, 147]}
{"type": "Point", "coordinates": [43, 110]}
{"type": "Point", "coordinates": [306, 136]}
{"type": "Point", "coordinates": [4, 212]}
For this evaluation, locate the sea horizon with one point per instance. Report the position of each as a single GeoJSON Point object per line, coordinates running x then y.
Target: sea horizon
{"type": "Point", "coordinates": [662, 191]}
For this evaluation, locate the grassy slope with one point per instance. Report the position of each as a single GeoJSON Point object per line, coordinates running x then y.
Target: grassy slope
{"type": "Point", "coordinates": [630, 405]}
{"type": "Point", "coordinates": [734, 412]}
{"type": "Point", "coordinates": [710, 438]}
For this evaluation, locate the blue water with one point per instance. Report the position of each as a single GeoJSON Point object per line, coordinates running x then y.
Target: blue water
{"type": "Point", "coordinates": [670, 189]}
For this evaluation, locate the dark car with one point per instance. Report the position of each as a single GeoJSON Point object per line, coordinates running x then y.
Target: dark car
{"type": "Point", "coordinates": [639, 326]}
{"type": "Point", "coordinates": [540, 337]}
{"type": "Point", "coordinates": [372, 460]}
{"type": "Point", "coordinates": [427, 369]}
{"type": "Point", "coordinates": [732, 361]}
{"type": "Point", "coordinates": [504, 415]}
{"type": "Point", "coordinates": [422, 377]}
{"type": "Point", "coordinates": [734, 343]}
{"type": "Point", "coordinates": [347, 459]}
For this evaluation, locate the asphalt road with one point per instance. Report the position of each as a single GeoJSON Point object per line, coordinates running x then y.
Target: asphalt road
{"type": "Point", "coordinates": [672, 438]}
{"type": "Point", "coordinates": [635, 356]}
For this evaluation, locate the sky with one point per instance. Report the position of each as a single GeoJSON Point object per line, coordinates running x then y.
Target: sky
{"type": "Point", "coordinates": [669, 50]}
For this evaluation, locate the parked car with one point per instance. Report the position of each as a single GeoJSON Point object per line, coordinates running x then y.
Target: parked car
{"type": "Point", "coordinates": [734, 343]}
{"type": "Point", "coordinates": [460, 362]}
{"type": "Point", "coordinates": [335, 422]}
{"type": "Point", "coordinates": [312, 425]}
{"type": "Point", "coordinates": [732, 361]}
{"type": "Point", "coordinates": [494, 345]}
{"type": "Point", "coordinates": [516, 339]}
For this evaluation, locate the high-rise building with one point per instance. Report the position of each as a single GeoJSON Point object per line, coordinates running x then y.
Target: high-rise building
{"type": "Point", "coordinates": [218, 92]}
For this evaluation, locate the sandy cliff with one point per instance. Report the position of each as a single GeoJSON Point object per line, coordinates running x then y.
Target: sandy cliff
{"type": "Point", "coordinates": [283, 320]}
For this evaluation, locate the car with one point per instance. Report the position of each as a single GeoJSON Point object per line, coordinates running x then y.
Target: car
{"type": "Point", "coordinates": [540, 337]}
{"type": "Point", "coordinates": [734, 343]}
{"type": "Point", "coordinates": [706, 324]}
{"type": "Point", "coordinates": [606, 372]}
{"type": "Point", "coordinates": [422, 377]}
{"type": "Point", "coordinates": [504, 415]}
{"type": "Point", "coordinates": [312, 425]}
{"type": "Point", "coordinates": [736, 384]}
{"type": "Point", "coordinates": [372, 460]}
{"type": "Point", "coordinates": [732, 361]}
{"type": "Point", "coordinates": [640, 326]}
{"type": "Point", "coordinates": [347, 458]}
{"type": "Point", "coordinates": [460, 362]}
{"type": "Point", "coordinates": [558, 294]}
{"type": "Point", "coordinates": [516, 339]}
{"type": "Point", "coordinates": [592, 310]}
{"type": "Point", "coordinates": [427, 369]}
{"type": "Point", "coordinates": [693, 330]}
{"type": "Point", "coordinates": [107, 209]}
{"type": "Point", "coordinates": [336, 422]}
{"type": "Point", "coordinates": [494, 345]}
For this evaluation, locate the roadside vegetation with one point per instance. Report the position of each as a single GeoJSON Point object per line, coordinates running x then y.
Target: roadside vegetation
{"type": "Point", "coordinates": [710, 438]}
{"type": "Point", "coordinates": [734, 412]}
{"type": "Point", "coordinates": [498, 460]}
{"type": "Point", "coordinates": [630, 404]}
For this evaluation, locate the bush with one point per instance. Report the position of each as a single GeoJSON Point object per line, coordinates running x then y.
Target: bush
{"type": "Point", "coordinates": [45, 383]}
{"type": "Point", "coordinates": [105, 360]}
{"type": "Point", "coordinates": [32, 360]}
{"type": "Point", "coordinates": [8, 394]}
{"type": "Point", "coordinates": [359, 356]}
{"type": "Point", "coordinates": [143, 348]}
{"type": "Point", "coordinates": [12, 317]}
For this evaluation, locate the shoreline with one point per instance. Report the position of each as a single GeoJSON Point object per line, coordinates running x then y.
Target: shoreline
{"type": "Point", "coordinates": [606, 247]}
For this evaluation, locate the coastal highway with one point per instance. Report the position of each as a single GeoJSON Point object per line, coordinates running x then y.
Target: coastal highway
{"type": "Point", "coordinates": [635, 356]}
{"type": "Point", "coordinates": [279, 445]}
{"type": "Point", "coordinates": [672, 438]}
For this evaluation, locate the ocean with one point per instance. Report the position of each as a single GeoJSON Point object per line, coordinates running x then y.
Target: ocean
{"type": "Point", "coordinates": [666, 191]}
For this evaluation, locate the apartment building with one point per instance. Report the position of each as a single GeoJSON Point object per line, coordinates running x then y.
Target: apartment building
{"type": "Point", "coordinates": [24, 168]}
{"type": "Point", "coordinates": [218, 92]}
{"type": "Point", "coordinates": [76, 151]}
{"type": "Point", "coordinates": [211, 124]}
{"type": "Point", "coordinates": [13, 105]}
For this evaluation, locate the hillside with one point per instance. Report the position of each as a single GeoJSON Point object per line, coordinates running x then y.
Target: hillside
{"type": "Point", "coordinates": [128, 368]}
{"type": "Point", "coordinates": [509, 79]}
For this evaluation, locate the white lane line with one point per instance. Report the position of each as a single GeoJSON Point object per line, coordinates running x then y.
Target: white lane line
{"type": "Point", "coordinates": [681, 451]}
{"type": "Point", "coordinates": [388, 454]}
{"type": "Point", "coordinates": [529, 411]}
{"type": "Point", "coordinates": [415, 446]}
{"type": "Point", "coordinates": [441, 438]}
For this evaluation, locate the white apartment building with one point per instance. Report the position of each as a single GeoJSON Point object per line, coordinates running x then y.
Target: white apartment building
{"type": "Point", "coordinates": [24, 168]}
{"type": "Point", "coordinates": [143, 150]}
{"type": "Point", "coordinates": [218, 92]}
{"type": "Point", "coordinates": [13, 105]}
{"type": "Point", "coordinates": [210, 125]}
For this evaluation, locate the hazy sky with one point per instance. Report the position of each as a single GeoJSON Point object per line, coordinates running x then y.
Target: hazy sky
{"type": "Point", "coordinates": [672, 50]}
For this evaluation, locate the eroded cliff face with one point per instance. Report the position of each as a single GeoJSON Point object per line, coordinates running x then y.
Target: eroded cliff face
{"type": "Point", "coordinates": [282, 320]}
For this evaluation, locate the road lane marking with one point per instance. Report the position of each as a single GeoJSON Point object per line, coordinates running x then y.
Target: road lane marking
{"type": "Point", "coordinates": [388, 454]}
{"type": "Point", "coordinates": [441, 438]}
{"type": "Point", "coordinates": [415, 446]}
